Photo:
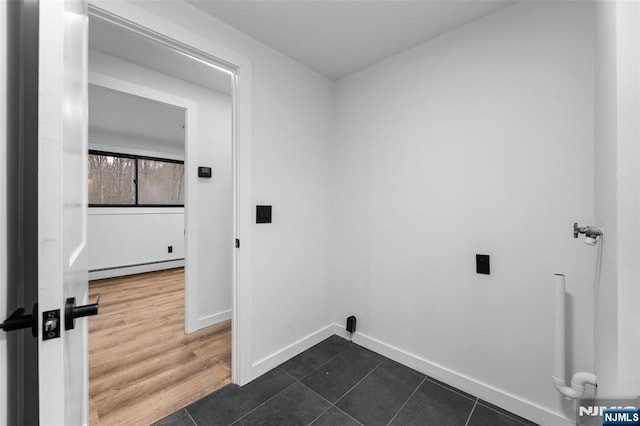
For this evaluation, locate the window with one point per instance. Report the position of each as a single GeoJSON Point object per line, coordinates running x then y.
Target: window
{"type": "Point", "coordinates": [111, 180]}
{"type": "Point", "coordinates": [118, 180]}
{"type": "Point", "coordinates": [160, 182]}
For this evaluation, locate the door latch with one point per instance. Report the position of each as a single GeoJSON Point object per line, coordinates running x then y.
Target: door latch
{"type": "Point", "coordinates": [71, 312]}
{"type": "Point", "coordinates": [51, 324]}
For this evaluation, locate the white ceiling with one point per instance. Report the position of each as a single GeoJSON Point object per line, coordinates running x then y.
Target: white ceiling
{"type": "Point", "coordinates": [130, 47]}
{"type": "Point", "coordinates": [130, 116]}
{"type": "Point", "coordinates": [337, 38]}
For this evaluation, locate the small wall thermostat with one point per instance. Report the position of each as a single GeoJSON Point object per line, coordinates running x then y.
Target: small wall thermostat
{"type": "Point", "coordinates": [204, 172]}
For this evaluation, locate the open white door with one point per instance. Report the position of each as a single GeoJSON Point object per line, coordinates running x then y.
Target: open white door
{"type": "Point", "coordinates": [62, 209]}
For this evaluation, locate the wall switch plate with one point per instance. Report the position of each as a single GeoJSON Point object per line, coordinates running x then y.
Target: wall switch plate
{"type": "Point", "coordinates": [482, 264]}
{"type": "Point", "coordinates": [263, 214]}
{"type": "Point", "coordinates": [170, 249]}
{"type": "Point", "coordinates": [205, 172]}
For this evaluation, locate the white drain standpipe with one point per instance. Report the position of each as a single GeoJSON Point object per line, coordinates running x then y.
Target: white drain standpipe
{"type": "Point", "coordinates": [578, 381]}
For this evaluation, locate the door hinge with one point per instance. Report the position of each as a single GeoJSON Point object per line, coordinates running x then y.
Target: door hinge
{"type": "Point", "coordinates": [237, 243]}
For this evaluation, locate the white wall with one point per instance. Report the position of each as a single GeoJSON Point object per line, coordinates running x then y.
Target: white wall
{"type": "Point", "coordinates": [133, 236]}
{"type": "Point", "coordinates": [479, 141]}
{"type": "Point", "coordinates": [215, 239]}
{"type": "Point", "coordinates": [606, 203]}
{"type": "Point", "coordinates": [617, 192]}
{"type": "Point", "coordinates": [291, 135]}
{"type": "Point", "coordinates": [628, 136]}
{"type": "Point", "coordinates": [127, 144]}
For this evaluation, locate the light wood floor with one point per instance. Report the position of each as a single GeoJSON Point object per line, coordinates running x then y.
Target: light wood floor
{"type": "Point", "coordinates": [142, 367]}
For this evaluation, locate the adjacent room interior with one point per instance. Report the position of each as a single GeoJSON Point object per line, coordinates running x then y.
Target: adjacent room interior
{"type": "Point", "coordinates": [142, 363]}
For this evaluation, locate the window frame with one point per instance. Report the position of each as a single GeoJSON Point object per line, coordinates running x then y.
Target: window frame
{"type": "Point", "coordinates": [135, 177]}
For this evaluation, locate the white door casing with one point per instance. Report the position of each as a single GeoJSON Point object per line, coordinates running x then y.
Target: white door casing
{"type": "Point", "coordinates": [62, 207]}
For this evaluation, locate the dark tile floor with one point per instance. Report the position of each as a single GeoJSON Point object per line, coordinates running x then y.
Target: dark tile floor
{"type": "Point", "coordinates": [337, 382]}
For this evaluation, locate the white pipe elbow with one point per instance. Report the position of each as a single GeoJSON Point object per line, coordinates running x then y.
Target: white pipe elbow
{"type": "Point", "coordinates": [568, 392]}
{"type": "Point", "coordinates": [578, 382]}
{"type": "Point", "coordinates": [580, 379]}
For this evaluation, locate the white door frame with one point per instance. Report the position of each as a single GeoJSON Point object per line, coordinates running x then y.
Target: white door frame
{"type": "Point", "coordinates": [240, 68]}
{"type": "Point", "coordinates": [3, 211]}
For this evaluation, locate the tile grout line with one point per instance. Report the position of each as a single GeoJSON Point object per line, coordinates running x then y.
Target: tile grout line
{"type": "Point", "coordinates": [288, 374]}
{"type": "Point", "coordinates": [264, 403]}
{"type": "Point", "coordinates": [348, 415]}
{"type": "Point", "coordinates": [323, 398]}
{"type": "Point", "coordinates": [452, 388]}
{"type": "Point", "coordinates": [189, 414]}
{"type": "Point", "coordinates": [300, 381]}
{"type": "Point", "coordinates": [506, 413]}
{"type": "Point", "coordinates": [407, 401]}
{"type": "Point", "coordinates": [308, 387]}
{"type": "Point", "coordinates": [330, 404]}
{"type": "Point", "coordinates": [320, 415]}
{"type": "Point", "coordinates": [320, 366]}
{"type": "Point", "coordinates": [360, 381]}
{"type": "Point", "coordinates": [472, 410]}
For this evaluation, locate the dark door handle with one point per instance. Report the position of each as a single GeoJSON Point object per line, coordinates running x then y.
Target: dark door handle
{"type": "Point", "coordinates": [17, 321]}
{"type": "Point", "coordinates": [71, 312]}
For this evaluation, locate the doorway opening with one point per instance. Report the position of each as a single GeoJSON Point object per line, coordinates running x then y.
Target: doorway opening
{"type": "Point", "coordinates": [150, 367]}
{"type": "Point", "coordinates": [163, 338]}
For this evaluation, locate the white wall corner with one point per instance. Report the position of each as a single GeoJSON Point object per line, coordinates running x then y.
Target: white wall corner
{"type": "Point", "coordinates": [275, 359]}
{"type": "Point", "coordinates": [501, 398]}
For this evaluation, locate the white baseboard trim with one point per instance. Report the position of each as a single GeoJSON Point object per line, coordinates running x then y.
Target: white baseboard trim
{"type": "Point", "coordinates": [484, 391]}
{"type": "Point", "coordinates": [262, 366]}
{"type": "Point", "coordinates": [136, 269]}
{"type": "Point", "coordinates": [210, 320]}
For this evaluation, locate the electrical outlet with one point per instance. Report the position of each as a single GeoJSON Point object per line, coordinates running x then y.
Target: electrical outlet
{"type": "Point", "coordinates": [351, 324]}
{"type": "Point", "coordinates": [482, 264]}
{"type": "Point", "coordinates": [170, 249]}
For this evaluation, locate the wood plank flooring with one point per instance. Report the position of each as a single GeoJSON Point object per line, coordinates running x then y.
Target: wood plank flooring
{"type": "Point", "coordinates": [142, 367]}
